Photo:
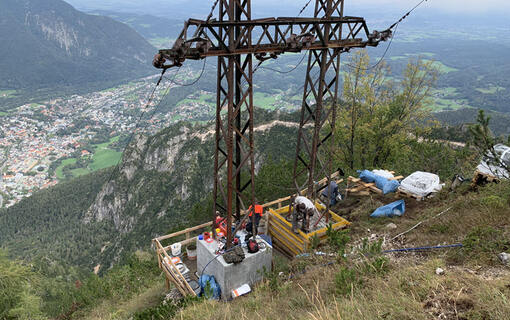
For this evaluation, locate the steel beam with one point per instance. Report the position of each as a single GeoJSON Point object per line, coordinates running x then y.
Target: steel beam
{"type": "Point", "coordinates": [319, 104]}
{"type": "Point", "coordinates": [234, 157]}
{"type": "Point", "coordinates": [235, 38]}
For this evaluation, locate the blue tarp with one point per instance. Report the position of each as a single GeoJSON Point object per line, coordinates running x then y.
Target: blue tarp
{"type": "Point", "coordinates": [212, 291]}
{"type": "Point", "coordinates": [387, 186]}
{"type": "Point", "coordinates": [394, 209]}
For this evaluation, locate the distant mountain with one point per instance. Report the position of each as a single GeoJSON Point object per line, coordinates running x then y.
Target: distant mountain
{"type": "Point", "coordinates": [46, 43]}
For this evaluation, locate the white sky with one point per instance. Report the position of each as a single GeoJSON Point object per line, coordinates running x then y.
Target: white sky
{"type": "Point", "coordinates": [446, 5]}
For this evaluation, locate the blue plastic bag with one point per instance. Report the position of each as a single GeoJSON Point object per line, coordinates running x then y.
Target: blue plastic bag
{"type": "Point", "coordinates": [208, 287]}
{"type": "Point", "coordinates": [394, 209]}
{"type": "Point", "coordinates": [387, 186]}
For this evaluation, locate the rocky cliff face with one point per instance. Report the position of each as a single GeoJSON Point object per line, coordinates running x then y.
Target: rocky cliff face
{"type": "Point", "coordinates": [162, 177]}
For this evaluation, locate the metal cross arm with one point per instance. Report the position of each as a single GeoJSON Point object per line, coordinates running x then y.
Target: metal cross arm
{"type": "Point", "coordinates": [200, 39]}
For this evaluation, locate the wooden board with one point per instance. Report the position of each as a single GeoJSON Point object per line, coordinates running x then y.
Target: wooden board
{"type": "Point", "coordinates": [281, 230]}
{"type": "Point", "coordinates": [405, 194]}
{"type": "Point", "coordinates": [364, 188]}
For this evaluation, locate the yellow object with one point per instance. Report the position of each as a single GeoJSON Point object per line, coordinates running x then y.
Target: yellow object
{"type": "Point", "coordinates": [284, 238]}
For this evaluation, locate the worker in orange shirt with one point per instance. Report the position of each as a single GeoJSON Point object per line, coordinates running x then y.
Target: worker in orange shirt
{"type": "Point", "coordinates": [259, 211]}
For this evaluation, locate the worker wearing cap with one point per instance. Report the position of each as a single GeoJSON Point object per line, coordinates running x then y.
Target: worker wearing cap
{"type": "Point", "coordinates": [303, 209]}
{"type": "Point", "coordinates": [259, 211]}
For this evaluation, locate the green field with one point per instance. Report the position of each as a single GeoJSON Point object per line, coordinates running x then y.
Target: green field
{"type": "Point", "coordinates": [58, 172]}
{"type": "Point", "coordinates": [7, 93]}
{"type": "Point", "coordinates": [103, 157]}
{"type": "Point", "coordinates": [442, 67]}
{"type": "Point", "coordinates": [490, 89]}
{"type": "Point", "coordinates": [447, 104]}
{"type": "Point", "coordinates": [3, 114]}
{"type": "Point", "coordinates": [207, 99]}
{"type": "Point", "coordinates": [161, 42]}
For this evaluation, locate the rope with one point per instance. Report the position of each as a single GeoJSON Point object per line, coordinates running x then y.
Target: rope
{"type": "Point", "coordinates": [288, 71]}
{"type": "Point", "coordinates": [394, 25]}
{"type": "Point", "coordinates": [228, 250]}
{"type": "Point", "coordinates": [419, 223]}
{"type": "Point", "coordinates": [458, 245]}
{"type": "Point", "coordinates": [381, 59]}
{"type": "Point", "coordinates": [407, 14]}
{"type": "Point", "coordinates": [151, 97]}
{"type": "Point", "coordinates": [193, 82]}
{"type": "Point", "coordinates": [304, 8]}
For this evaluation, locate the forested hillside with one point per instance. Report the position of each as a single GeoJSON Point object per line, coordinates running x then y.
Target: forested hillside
{"type": "Point", "coordinates": [86, 222]}
{"type": "Point", "coordinates": [48, 43]}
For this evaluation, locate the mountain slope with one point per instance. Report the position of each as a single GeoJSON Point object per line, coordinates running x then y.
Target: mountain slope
{"type": "Point", "coordinates": [164, 178]}
{"type": "Point", "coordinates": [49, 43]}
{"type": "Point", "coordinates": [164, 184]}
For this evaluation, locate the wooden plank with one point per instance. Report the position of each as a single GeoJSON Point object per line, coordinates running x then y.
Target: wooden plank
{"type": "Point", "coordinates": [288, 245]}
{"type": "Point", "coordinates": [173, 269]}
{"type": "Point", "coordinates": [284, 222]}
{"type": "Point", "coordinates": [283, 249]}
{"type": "Point", "coordinates": [299, 238]}
{"type": "Point", "coordinates": [286, 234]}
{"type": "Point", "coordinates": [180, 233]}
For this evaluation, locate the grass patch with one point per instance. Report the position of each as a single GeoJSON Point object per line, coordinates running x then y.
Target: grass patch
{"type": "Point", "coordinates": [105, 158]}
{"type": "Point", "coordinates": [7, 93]}
{"type": "Point", "coordinates": [442, 67]}
{"type": "Point", "coordinates": [411, 291]}
{"type": "Point", "coordinates": [58, 171]}
{"type": "Point", "coordinates": [441, 104]}
{"type": "Point", "coordinates": [3, 114]}
{"type": "Point", "coordinates": [490, 89]}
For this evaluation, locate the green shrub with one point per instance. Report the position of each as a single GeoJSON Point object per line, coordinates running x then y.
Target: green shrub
{"type": "Point", "coordinates": [315, 240]}
{"type": "Point", "coordinates": [345, 280]}
{"type": "Point", "coordinates": [480, 246]}
{"type": "Point", "coordinates": [337, 239]}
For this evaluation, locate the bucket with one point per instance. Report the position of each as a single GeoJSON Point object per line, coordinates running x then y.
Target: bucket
{"type": "Point", "coordinates": [176, 249]}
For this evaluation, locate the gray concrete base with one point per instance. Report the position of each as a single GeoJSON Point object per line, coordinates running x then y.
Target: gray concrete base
{"type": "Point", "coordinates": [232, 276]}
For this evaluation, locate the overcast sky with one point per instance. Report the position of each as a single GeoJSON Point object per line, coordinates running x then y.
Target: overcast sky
{"type": "Point", "coordinates": [290, 7]}
{"type": "Point", "coordinates": [445, 5]}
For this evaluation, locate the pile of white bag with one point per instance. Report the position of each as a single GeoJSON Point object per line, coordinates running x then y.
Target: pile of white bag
{"type": "Point", "coordinates": [421, 184]}
{"type": "Point", "coordinates": [495, 166]}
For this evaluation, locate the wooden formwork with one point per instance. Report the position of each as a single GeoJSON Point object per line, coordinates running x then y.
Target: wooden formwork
{"type": "Point", "coordinates": [481, 178]}
{"type": "Point", "coordinates": [292, 244]}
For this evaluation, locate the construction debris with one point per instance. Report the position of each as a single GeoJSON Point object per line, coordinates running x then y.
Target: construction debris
{"type": "Point", "coordinates": [439, 271]}
{"type": "Point", "coordinates": [504, 258]}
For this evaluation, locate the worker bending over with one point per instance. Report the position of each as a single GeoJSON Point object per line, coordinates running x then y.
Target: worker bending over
{"type": "Point", "coordinates": [332, 192]}
{"type": "Point", "coordinates": [303, 210]}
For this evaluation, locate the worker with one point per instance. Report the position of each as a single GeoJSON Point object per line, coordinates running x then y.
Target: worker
{"type": "Point", "coordinates": [334, 196]}
{"type": "Point", "coordinates": [304, 209]}
{"type": "Point", "coordinates": [259, 211]}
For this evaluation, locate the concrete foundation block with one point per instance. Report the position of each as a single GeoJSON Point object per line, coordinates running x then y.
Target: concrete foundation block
{"type": "Point", "coordinates": [232, 276]}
